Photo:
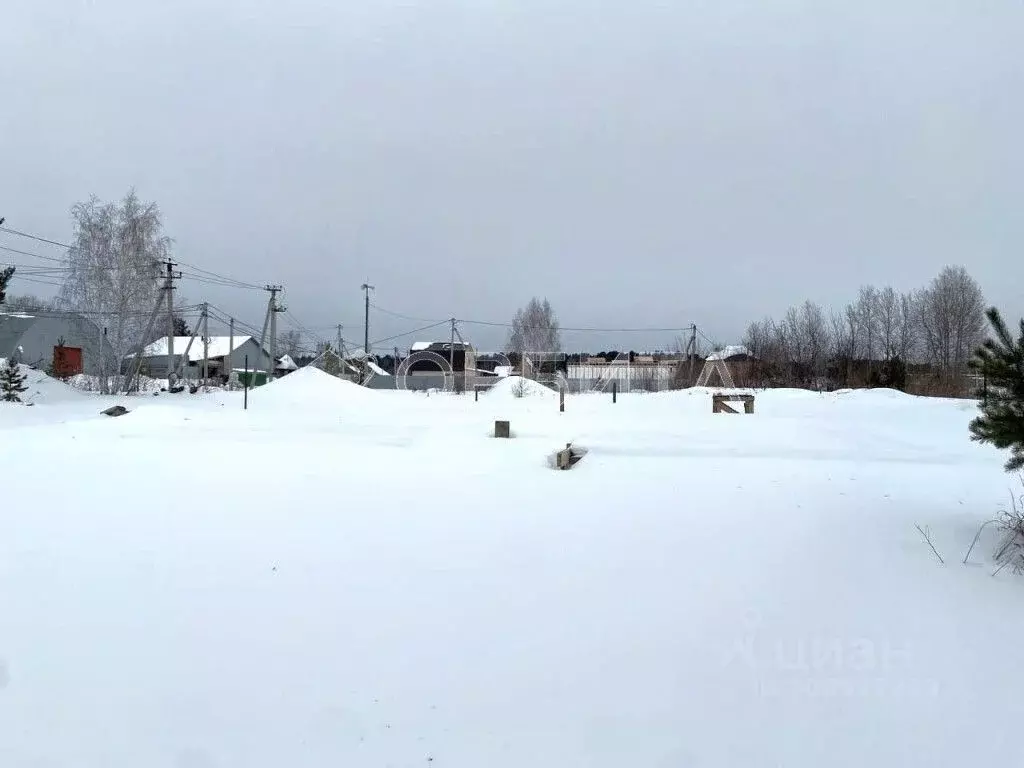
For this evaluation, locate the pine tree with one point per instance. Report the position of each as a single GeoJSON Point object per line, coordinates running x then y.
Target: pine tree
{"type": "Point", "coordinates": [6, 273]}
{"type": "Point", "coordinates": [1001, 361]}
{"type": "Point", "coordinates": [12, 382]}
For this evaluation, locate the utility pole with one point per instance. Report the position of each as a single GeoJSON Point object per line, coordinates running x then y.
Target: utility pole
{"type": "Point", "coordinates": [272, 310]}
{"type": "Point", "coordinates": [182, 369]}
{"type": "Point", "coordinates": [165, 295]}
{"type": "Point", "coordinates": [231, 348]}
{"type": "Point", "coordinates": [206, 344]}
{"type": "Point", "coordinates": [263, 341]}
{"type": "Point", "coordinates": [339, 350]}
{"type": "Point", "coordinates": [451, 348]}
{"type": "Point", "coordinates": [169, 288]}
{"type": "Point", "coordinates": [103, 360]}
{"type": "Point", "coordinates": [692, 347]}
{"type": "Point", "coordinates": [366, 322]}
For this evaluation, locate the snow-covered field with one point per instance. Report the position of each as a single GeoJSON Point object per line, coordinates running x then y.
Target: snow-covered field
{"type": "Point", "coordinates": [344, 577]}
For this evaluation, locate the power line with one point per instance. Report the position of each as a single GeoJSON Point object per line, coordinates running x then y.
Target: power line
{"type": "Point", "coordinates": [35, 280]}
{"type": "Point", "coordinates": [400, 316]}
{"type": "Point", "coordinates": [29, 253]}
{"type": "Point", "coordinates": [408, 333]}
{"type": "Point", "coordinates": [224, 317]}
{"type": "Point", "coordinates": [228, 281]}
{"type": "Point", "coordinates": [704, 336]}
{"type": "Point", "coordinates": [32, 269]}
{"type": "Point", "coordinates": [34, 237]}
{"type": "Point", "coordinates": [510, 325]}
{"type": "Point", "coordinates": [71, 313]}
{"type": "Point", "coordinates": [677, 329]}
{"type": "Point", "coordinates": [217, 281]}
{"type": "Point", "coordinates": [300, 326]}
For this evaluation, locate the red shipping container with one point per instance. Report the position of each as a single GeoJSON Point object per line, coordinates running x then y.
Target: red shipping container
{"type": "Point", "coordinates": [67, 361]}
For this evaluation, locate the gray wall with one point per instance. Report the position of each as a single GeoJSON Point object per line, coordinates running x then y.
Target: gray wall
{"type": "Point", "coordinates": [39, 336]}
{"type": "Point", "coordinates": [257, 358]}
{"type": "Point", "coordinates": [424, 381]}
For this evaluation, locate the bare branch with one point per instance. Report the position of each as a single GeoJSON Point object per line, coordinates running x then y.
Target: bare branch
{"type": "Point", "coordinates": [928, 539]}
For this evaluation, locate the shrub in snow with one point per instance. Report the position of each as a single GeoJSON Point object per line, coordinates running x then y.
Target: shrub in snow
{"type": "Point", "coordinates": [12, 382]}
{"type": "Point", "coordinates": [1001, 361]}
{"type": "Point", "coordinates": [1011, 548]}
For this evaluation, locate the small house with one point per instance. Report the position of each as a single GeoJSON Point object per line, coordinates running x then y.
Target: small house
{"type": "Point", "coordinates": [285, 365]}
{"type": "Point", "coordinates": [223, 354]}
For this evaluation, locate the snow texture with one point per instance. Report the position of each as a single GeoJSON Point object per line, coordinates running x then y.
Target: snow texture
{"type": "Point", "coordinates": [344, 577]}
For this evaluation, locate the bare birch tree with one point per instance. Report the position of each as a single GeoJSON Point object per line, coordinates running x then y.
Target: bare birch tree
{"type": "Point", "coordinates": [816, 337]}
{"type": "Point", "coordinates": [887, 308]}
{"type": "Point", "coordinates": [792, 338]}
{"type": "Point", "coordinates": [757, 338]}
{"type": "Point", "coordinates": [535, 330]}
{"type": "Point", "coordinates": [290, 343]}
{"type": "Point", "coordinates": [759, 342]}
{"type": "Point", "coordinates": [867, 319]}
{"type": "Point", "coordinates": [113, 265]}
{"type": "Point", "coordinates": [951, 314]}
{"type": "Point", "coordinates": [907, 335]}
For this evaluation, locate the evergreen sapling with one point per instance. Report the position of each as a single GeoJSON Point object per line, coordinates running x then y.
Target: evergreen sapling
{"type": "Point", "coordinates": [12, 382]}
{"type": "Point", "coordinates": [1001, 361]}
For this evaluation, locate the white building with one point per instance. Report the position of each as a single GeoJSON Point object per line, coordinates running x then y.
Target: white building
{"type": "Point", "coordinates": [223, 353]}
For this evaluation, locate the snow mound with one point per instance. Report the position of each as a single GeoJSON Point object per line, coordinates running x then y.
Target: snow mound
{"type": "Point", "coordinates": [517, 386]}
{"type": "Point", "coordinates": [308, 386]}
{"type": "Point", "coordinates": [44, 389]}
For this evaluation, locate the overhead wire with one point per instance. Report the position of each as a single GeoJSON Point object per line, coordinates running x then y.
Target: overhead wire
{"type": "Point", "coordinates": [19, 233]}
{"type": "Point", "coordinates": [400, 316]}
{"type": "Point", "coordinates": [227, 281]}
{"type": "Point", "coordinates": [209, 277]}
{"type": "Point", "coordinates": [571, 328]}
{"type": "Point", "coordinates": [30, 253]}
{"type": "Point", "coordinates": [375, 342]}
{"type": "Point", "coordinates": [37, 281]}
{"type": "Point", "coordinates": [300, 327]}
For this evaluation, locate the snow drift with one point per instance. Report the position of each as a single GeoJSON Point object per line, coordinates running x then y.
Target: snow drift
{"type": "Point", "coordinates": [398, 588]}
{"type": "Point", "coordinates": [519, 387]}
{"type": "Point", "coordinates": [43, 389]}
{"type": "Point", "coordinates": [309, 387]}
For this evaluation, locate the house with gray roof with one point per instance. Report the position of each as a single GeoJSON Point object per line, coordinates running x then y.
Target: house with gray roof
{"type": "Point", "coordinates": [223, 354]}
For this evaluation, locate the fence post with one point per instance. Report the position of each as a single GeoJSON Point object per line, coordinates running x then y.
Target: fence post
{"type": "Point", "coordinates": [245, 401]}
{"type": "Point", "coordinates": [561, 400]}
{"type": "Point", "coordinates": [615, 391]}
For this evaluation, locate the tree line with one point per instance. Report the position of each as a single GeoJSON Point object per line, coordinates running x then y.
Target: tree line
{"type": "Point", "coordinates": [878, 339]}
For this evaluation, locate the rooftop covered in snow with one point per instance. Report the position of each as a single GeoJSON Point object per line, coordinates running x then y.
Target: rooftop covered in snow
{"type": "Point", "coordinates": [727, 353]}
{"type": "Point", "coordinates": [218, 346]}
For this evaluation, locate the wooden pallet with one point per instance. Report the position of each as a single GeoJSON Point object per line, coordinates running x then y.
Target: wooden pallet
{"type": "Point", "coordinates": [720, 403]}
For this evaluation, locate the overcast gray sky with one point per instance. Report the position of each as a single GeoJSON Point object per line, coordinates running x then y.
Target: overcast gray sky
{"type": "Point", "coordinates": [642, 164]}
